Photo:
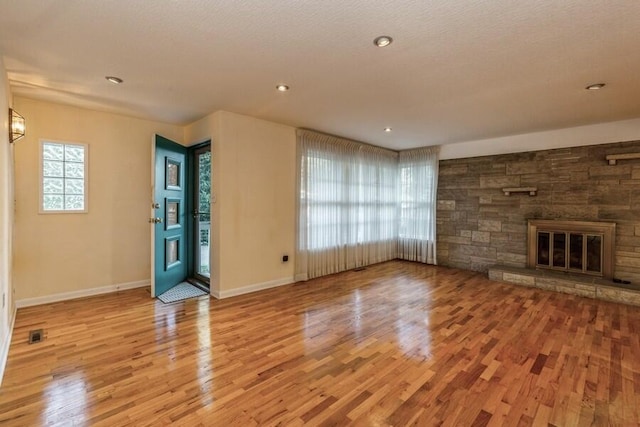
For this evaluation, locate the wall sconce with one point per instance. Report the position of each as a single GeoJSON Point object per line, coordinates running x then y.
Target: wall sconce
{"type": "Point", "coordinates": [16, 125]}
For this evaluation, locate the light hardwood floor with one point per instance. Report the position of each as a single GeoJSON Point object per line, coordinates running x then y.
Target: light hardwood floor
{"type": "Point", "coordinates": [397, 344]}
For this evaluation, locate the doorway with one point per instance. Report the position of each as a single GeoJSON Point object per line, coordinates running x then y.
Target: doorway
{"type": "Point", "coordinates": [200, 264]}
{"type": "Point", "coordinates": [180, 216]}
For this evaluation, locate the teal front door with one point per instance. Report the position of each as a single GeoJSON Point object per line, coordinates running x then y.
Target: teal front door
{"type": "Point", "coordinates": [170, 218]}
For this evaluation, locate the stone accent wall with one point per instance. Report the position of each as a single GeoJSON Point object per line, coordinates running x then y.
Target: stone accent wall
{"type": "Point", "coordinates": [479, 227]}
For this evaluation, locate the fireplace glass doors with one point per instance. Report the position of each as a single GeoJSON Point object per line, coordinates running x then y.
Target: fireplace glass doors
{"type": "Point", "coordinates": [577, 252]}
{"type": "Point", "coordinates": [572, 246]}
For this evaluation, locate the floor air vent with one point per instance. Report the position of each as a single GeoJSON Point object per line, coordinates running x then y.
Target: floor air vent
{"type": "Point", "coordinates": [36, 336]}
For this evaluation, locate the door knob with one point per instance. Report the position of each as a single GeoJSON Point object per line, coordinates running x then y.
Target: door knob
{"type": "Point", "coordinates": [155, 220]}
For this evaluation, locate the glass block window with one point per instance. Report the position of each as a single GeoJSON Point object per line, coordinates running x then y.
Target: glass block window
{"type": "Point", "coordinates": [63, 177]}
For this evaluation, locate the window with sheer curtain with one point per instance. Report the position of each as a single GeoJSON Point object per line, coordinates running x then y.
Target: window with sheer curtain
{"type": "Point", "coordinates": [418, 171]}
{"type": "Point", "coordinates": [348, 206]}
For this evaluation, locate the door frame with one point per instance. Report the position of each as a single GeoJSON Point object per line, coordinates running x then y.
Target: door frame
{"type": "Point", "coordinates": [152, 214]}
{"type": "Point", "coordinates": [193, 246]}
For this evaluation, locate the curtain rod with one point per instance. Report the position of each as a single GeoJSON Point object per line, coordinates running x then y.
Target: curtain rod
{"type": "Point", "coordinates": [434, 147]}
{"type": "Point", "coordinates": [348, 139]}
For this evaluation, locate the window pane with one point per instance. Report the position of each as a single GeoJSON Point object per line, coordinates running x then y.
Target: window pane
{"type": "Point", "coordinates": [204, 170]}
{"type": "Point", "coordinates": [52, 185]}
{"type": "Point", "coordinates": [52, 151]}
{"type": "Point", "coordinates": [172, 174]}
{"type": "Point", "coordinates": [172, 255]}
{"type": "Point", "coordinates": [74, 153]}
{"type": "Point", "coordinates": [74, 170]}
{"type": "Point", "coordinates": [74, 203]}
{"type": "Point", "coordinates": [52, 203]}
{"type": "Point", "coordinates": [172, 213]}
{"type": "Point", "coordinates": [52, 168]}
{"type": "Point", "coordinates": [63, 177]}
{"type": "Point", "coordinates": [74, 186]}
{"type": "Point", "coordinates": [575, 251]}
{"type": "Point", "coordinates": [559, 249]}
{"type": "Point", "coordinates": [543, 248]}
{"type": "Point", "coordinates": [594, 253]}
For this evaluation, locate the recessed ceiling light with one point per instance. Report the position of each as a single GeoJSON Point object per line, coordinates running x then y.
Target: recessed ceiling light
{"type": "Point", "coordinates": [114, 80]}
{"type": "Point", "coordinates": [382, 41]}
{"type": "Point", "coordinates": [595, 86]}
{"type": "Point", "coordinates": [282, 88]}
{"type": "Point", "coordinates": [387, 129]}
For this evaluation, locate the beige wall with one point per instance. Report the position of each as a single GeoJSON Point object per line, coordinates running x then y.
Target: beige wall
{"type": "Point", "coordinates": [203, 130]}
{"type": "Point", "coordinates": [253, 217]}
{"type": "Point", "coordinates": [6, 218]}
{"type": "Point", "coordinates": [256, 193]}
{"type": "Point", "coordinates": [109, 245]}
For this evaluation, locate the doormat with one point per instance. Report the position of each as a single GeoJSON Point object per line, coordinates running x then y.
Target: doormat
{"type": "Point", "coordinates": [181, 292]}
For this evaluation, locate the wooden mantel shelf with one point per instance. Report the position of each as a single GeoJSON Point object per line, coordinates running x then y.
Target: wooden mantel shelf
{"type": "Point", "coordinates": [531, 190]}
{"type": "Point", "coordinates": [613, 158]}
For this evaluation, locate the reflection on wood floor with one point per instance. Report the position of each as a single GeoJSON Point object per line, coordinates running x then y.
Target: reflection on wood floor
{"type": "Point", "coordinates": [396, 344]}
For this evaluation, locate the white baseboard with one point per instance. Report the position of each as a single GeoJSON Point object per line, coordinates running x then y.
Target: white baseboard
{"type": "Point", "coordinates": [252, 288]}
{"type": "Point", "coordinates": [28, 302]}
{"type": "Point", "coordinates": [6, 344]}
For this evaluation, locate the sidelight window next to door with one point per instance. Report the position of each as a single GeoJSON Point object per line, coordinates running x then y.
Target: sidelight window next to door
{"type": "Point", "coordinates": [202, 213]}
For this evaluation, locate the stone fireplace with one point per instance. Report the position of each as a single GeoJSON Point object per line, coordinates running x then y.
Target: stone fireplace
{"type": "Point", "coordinates": [581, 247]}
{"type": "Point", "coordinates": [583, 219]}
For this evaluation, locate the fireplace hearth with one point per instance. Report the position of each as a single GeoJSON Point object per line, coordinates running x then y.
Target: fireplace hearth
{"type": "Point", "coordinates": [572, 246]}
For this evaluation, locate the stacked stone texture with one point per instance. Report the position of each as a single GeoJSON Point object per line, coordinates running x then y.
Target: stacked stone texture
{"type": "Point", "coordinates": [479, 227]}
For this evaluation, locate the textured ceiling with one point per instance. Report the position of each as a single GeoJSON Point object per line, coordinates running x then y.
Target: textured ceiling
{"type": "Point", "coordinates": [457, 70]}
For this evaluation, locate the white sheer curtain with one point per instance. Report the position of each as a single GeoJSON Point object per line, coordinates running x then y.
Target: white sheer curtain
{"type": "Point", "coordinates": [418, 171]}
{"type": "Point", "coordinates": [347, 205]}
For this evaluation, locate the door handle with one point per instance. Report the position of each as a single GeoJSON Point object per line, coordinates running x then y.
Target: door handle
{"type": "Point", "coordinates": [155, 220]}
